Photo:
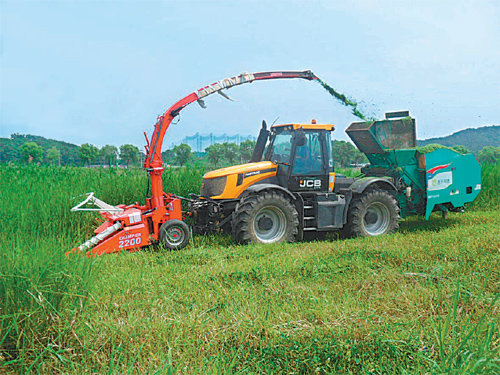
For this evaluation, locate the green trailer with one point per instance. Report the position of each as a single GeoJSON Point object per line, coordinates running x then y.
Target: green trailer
{"type": "Point", "coordinates": [441, 180]}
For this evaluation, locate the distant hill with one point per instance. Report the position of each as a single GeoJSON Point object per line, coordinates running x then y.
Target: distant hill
{"type": "Point", "coordinates": [473, 139]}
{"type": "Point", "coordinates": [9, 148]}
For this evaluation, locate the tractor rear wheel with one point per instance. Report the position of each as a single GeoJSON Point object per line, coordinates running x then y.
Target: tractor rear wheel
{"type": "Point", "coordinates": [268, 217]}
{"type": "Point", "coordinates": [374, 213]}
{"type": "Point", "coordinates": [174, 234]}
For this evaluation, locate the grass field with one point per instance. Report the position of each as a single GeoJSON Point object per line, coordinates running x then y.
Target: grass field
{"type": "Point", "coordinates": [422, 300]}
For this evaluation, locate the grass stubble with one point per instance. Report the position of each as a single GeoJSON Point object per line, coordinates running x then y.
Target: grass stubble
{"type": "Point", "coordinates": [421, 300]}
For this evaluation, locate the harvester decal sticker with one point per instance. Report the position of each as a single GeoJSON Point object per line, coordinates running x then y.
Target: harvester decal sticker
{"type": "Point", "coordinates": [130, 240]}
{"type": "Point", "coordinates": [225, 84]}
{"type": "Point", "coordinates": [431, 172]}
{"type": "Point", "coordinates": [254, 173]}
{"type": "Point", "coordinates": [437, 180]}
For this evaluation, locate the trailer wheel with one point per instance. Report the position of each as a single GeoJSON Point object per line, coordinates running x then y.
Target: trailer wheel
{"type": "Point", "coordinates": [174, 234]}
{"type": "Point", "coordinates": [265, 218]}
{"type": "Point", "coordinates": [374, 213]}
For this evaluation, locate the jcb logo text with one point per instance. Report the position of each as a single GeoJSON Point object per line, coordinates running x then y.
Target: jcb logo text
{"type": "Point", "coordinates": [315, 184]}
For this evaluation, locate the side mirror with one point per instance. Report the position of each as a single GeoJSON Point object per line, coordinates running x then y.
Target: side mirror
{"type": "Point", "coordinates": [301, 138]}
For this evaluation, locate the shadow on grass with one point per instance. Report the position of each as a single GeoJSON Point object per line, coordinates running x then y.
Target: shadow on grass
{"type": "Point", "coordinates": [434, 224]}
{"type": "Point", "coordinates": [410, 225]}
{"type": "Point", "coordinates": [212, 241]}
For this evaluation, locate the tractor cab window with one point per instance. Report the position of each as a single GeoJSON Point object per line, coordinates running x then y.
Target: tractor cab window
{"type": "Point", "coordinates": [308, 159]}
{"type": "Point", "coordinates": [280, 147]}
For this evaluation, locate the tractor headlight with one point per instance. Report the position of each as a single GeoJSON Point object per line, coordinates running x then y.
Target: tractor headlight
{"type": "Point", "coordinates": [211, 187]}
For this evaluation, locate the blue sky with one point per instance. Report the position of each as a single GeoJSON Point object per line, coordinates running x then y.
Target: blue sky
{"type": "Point", "coordinates": [101, 71]}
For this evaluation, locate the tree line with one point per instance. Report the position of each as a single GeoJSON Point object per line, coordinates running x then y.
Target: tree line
{"type": "Point", "coordinates": [109, 155]}
{"type": "Point", "coordinates": [216, 155]}
{"type": "Point", "coordinates": [88, 154]}
{"type": "Point", "coordinates": [344, 154]}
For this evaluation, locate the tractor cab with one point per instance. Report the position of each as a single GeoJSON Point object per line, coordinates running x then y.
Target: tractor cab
{"type": "Point", "coordinates": [302, 154]}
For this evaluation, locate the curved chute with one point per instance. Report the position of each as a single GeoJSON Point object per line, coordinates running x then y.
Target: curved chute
{"type": "Point", "coordinates": [153, 148]}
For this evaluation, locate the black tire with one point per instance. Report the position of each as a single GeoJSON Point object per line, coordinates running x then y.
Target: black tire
{"type": "Point", "coordinates": [174, 234]}
{"type": "Point", "coordinates": [373, 213]}
{"type": "Point", "coordinates": [268, 217]}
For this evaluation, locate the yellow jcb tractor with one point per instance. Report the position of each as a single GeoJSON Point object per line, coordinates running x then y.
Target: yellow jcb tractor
{"type": "Point", "coordinates": [289, 191]}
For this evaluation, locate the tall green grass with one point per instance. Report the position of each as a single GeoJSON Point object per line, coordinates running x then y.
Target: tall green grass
{"type": "Point", "coordinates": [489, 197]}
{"type": "Point", "coordinates": [41, 291]}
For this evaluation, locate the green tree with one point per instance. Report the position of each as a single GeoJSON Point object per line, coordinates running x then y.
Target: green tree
{"type": "Point", "coordinates": [358, 157]}
{"type": "Point", "coordinates": [129, 154]}
{"type": "Point", "coordinates": [168, 156]}
{"type": "Point", "coordinates": [31, 152]}
{"type": "Point", "coordinates": [54, 155]}
{"type": "Point", "coordinates": [246, 150]}
{"type": "Point", "coordinates": [88, 153]}
{"type": "Point", "coordinates": [344, 153]}
{"type": "Point", "coordinates": [461, 149]}
{"type": "Point", "coordinates": [230, 151]}
{"type": "Point", "coordinates": [182, 153]}
{"type": "Point", "coordinates": [9, 151]}
{"type": "Point", "coordinates": [109, 154]}
{"type": "Point", "coordinates": [489, 154]}
{"type": "Point", "coordinates": [215, 153]}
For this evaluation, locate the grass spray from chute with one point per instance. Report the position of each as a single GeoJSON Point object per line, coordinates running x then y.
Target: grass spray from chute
{"type": "Point", "coordinates": [345, 101]}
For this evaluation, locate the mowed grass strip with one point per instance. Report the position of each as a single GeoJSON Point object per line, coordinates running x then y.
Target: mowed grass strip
{"type": "Point", "coordinates": [361, 305]}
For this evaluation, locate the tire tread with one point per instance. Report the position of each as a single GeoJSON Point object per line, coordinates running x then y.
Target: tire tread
{"type": "Point", "coordinates": [242, 216]}
{"type": "Point", "coordinates": [353, 227]}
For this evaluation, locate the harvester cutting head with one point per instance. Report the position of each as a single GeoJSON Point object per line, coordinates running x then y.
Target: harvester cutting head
{"type": "Point", "coordinates": [134, 226]}
{"type": "Point", "coordinates": [123, 227]}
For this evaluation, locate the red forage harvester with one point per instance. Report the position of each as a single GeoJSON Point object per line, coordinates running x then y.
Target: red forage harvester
{"type": "Point", "coordinates": [161, 218]}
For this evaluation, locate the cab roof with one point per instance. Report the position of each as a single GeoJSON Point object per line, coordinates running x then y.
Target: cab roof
{"type": "Point", "coordinates": [304, 126]}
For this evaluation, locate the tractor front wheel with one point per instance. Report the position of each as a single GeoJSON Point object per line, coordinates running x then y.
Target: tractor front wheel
{"type": "Point", "coordinates": [265, 218]}
{"type": "Point", "coordinates": [174, 234]}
